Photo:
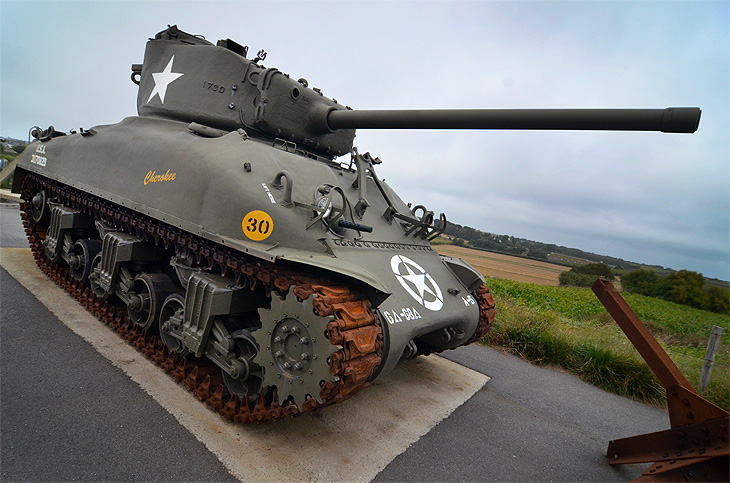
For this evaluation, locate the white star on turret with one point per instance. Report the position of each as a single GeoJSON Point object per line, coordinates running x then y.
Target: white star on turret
{"type": "Point", "coordinates": [162, 80]}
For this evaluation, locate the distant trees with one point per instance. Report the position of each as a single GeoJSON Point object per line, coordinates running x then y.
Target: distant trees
{"type": "Point", "coordinates": [683, 287]}
{"type": "Point", "coordinates": [586, 275]}
{"type": "Point", "coordinates": [719, 300]}
{"type": "Point", "coordinates": [526, 248]}
{"type": "Point", "coordinates": [640, 281]}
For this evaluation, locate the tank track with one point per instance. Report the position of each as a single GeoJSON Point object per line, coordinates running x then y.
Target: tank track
{"type": "Point", "coordinates": [487, 312]}
{"type": "Point", "coordinates": [354, 327]}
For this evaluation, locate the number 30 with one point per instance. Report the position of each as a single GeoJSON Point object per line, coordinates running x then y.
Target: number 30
{"type": "Point", "coordinates": [257, 225]}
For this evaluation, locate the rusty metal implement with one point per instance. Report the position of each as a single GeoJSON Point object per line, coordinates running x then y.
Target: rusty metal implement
{"type": "Point", "coordinates": [696, 446]}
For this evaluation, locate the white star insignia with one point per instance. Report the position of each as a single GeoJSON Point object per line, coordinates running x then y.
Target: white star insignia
{"type": "Point", "coordinates": [162, 80]}
{"type": "Point", "coordinates": [417, 282]}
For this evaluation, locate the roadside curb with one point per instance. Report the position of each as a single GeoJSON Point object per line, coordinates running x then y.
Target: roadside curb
{"type": "Point", "coordinates": [8, 196]}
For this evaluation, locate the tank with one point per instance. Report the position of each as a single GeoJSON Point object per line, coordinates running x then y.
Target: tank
{"type": "Point", "coordinates": [233, 234]}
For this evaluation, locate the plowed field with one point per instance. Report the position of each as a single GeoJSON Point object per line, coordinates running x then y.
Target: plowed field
{"type": "Point", "coordinates": [505, 266]}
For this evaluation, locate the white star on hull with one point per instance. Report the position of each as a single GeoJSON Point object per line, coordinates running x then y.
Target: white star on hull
{"type": "Point", "coordinates": [417, 282]}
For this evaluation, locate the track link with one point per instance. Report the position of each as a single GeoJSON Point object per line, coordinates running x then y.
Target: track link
{"type": "Point", "coordinates": [354, 327]}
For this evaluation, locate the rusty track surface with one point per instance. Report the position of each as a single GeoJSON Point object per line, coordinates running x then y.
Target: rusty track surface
{"type": "Point", "coordinates": [487, 312]}
{"type": "Point", "coordinates": [355, 326]}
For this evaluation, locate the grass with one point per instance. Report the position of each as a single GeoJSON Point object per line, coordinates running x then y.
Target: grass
{"type": "Point", "coordinates": [568, 327]}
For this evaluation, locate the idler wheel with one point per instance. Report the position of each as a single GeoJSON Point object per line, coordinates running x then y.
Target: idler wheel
{"type": "Point", "coordinates": [150, 292]}
{"type": "Point", "coordinates": [39, 209]}
{"type": "Point", "coordinates": [82, 258]}
{"type": "Point", "coordinates": [248, 384]}
{"type": "Point", "coordinates": [171, 321]}
{"type": "Point", "coordinates": [294, 351]}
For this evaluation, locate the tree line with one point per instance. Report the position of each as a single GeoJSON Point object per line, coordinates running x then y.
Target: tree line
{"type": "Point", "coordinates": [684, 287]}
{"type": "Point", "coordinates": [466, 235]}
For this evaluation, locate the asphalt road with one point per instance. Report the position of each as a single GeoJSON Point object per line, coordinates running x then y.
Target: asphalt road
{"type": "Point", "coordinates": [66, 413]}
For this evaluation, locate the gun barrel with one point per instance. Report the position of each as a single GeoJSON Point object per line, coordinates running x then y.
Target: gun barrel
{"type": "Point", "coordinates": [671, 119]}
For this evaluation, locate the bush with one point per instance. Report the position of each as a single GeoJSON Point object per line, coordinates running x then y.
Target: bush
{"type": "Point", "coordinates": [640, 281]}
{"type": "Point", "coordinates": [719, 300]}
{"type": "Point", "coordinates": [576, 279]}
{"type": "Point", "coordinates": [685, 287]}
{"type": "Point", "coordinates": [597, 270]}
{"type": "Point", "coordinates": [585, 275]}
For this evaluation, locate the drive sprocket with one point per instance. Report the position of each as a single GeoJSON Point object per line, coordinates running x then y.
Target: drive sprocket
{"type": "Point", "coordinates": [294, 351]}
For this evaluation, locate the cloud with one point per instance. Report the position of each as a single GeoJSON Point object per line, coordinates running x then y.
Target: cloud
{"type": "Point", "coordinates": [646, 197]}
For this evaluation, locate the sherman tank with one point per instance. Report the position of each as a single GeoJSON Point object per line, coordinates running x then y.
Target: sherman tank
{"type": "Point", "coordinates": [233, 234]}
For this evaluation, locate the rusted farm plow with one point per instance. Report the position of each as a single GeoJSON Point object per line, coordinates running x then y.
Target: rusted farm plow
{"type": "Point", "coordinates": [696, 447]}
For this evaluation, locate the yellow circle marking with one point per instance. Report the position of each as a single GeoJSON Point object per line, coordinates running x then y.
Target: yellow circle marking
{"type": "Point", "coordinates": [257, 225]}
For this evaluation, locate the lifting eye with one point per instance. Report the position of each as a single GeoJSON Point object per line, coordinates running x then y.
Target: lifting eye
{"type": "Point", "coordinates": [325, 204]}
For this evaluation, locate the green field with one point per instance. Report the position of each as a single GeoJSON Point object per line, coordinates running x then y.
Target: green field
{"type": "Point", "coordinates": [569, 328]}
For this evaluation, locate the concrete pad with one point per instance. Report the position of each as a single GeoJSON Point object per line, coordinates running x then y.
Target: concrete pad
{"type": "Point", "coordinates": [351, 441]}
{"type": "Point", "coordinates": [9, 196]}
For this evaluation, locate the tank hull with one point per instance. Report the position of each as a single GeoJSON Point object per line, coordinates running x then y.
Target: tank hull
{"type": "Point", "coordinates": [238, 195]}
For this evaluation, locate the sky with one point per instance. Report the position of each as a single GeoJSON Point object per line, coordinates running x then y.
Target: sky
{"type": "Point", "coordinates": [654, 198]}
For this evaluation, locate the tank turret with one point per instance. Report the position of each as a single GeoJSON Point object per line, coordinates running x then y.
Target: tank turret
{"type": "Point", "coordinates": [186, 77]}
